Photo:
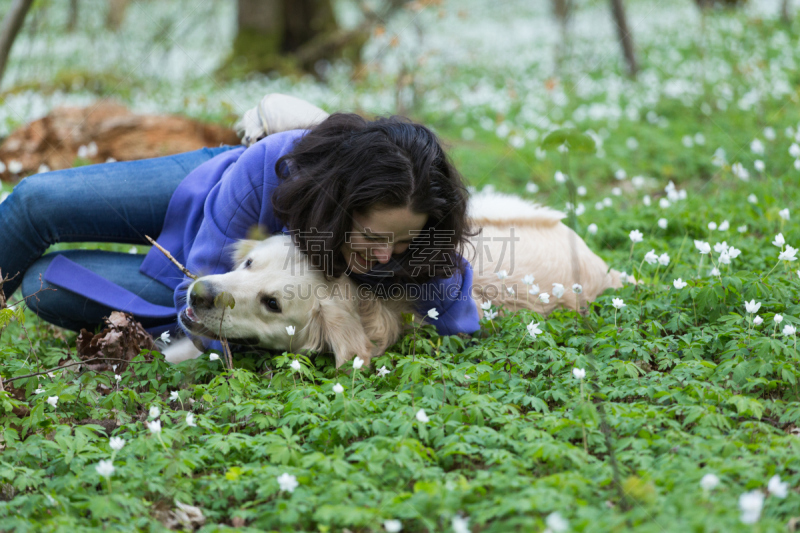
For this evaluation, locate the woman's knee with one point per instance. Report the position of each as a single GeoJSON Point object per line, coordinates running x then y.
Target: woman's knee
{"type": "Point", "coordinates": [34, 196]}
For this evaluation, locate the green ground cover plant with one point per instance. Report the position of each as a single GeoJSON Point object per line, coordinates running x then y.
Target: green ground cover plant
{"type": "Point", "coordinates": [672, 405]}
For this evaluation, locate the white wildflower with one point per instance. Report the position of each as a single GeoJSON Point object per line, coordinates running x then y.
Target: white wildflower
{"type": "Point", "coordinates": [533, 329]}
{"type": "Point", "coordinates": [556, 523]}
{"type": "Point", "coordinates": [750, 503]}
{"type": "Point", "coordinates": [752, 306]}
{"type": "Point", "coordinates": [709, 481]}
{"type": "Point", "coordinates": [558, 290]}
{"type": "Point", "coordinates": [14, 166]}
{"type": "Point", "coordinates": [778, 488]}
{"type": "Point", "coordinates": [788, 254]}
{"type": "Point", "coordinates": [392, 526]}
{"type": "Point", "coordinates": [460, 525]}
{"type": "Point", "coordinates": [105, 468]}
{"type": "Point", "coordinates": [702, 247]}
{"type": "Point", "coordinates": [287, 482]}
{"type": "Point", "coordinates": [544, 298]}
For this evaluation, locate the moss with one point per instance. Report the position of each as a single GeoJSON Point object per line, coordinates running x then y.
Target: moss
{"type": "Point", "coordinates": [69, 80]}
{"type": "Point", "coordinates": [254, 51]}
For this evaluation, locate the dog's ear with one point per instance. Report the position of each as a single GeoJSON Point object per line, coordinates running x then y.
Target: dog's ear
{"type": "Point", "coordinates": [337, 328]}
{"type": "Point", "coordinates": [382, 320]}
{"type": "Point", "coordinates": [242, 248]}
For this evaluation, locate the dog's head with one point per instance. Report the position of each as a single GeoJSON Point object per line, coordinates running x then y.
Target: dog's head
{"type": "Point", "coordinates": [272, 288]}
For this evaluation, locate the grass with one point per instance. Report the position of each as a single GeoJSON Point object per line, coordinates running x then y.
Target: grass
{"type": "Point", "coordinates": [681, 387]}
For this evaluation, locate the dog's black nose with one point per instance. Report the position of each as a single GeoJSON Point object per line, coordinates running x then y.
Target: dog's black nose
{"type": "Point", "coordinates": [202, 295]}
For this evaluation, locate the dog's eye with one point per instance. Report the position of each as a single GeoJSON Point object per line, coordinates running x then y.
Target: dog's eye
{"type": "Point", "coordinates": [248, 263]}
{"type": "Point", "coordinates": [271, 304]}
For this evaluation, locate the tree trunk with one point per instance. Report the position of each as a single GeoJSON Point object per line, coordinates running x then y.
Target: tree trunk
{"type": "Point", "coordinates": [625, 39]}
{"type": "Point", "coordinates": [116, 13]}
{"type": "Point", "coordinates": [72, 17]}
{"type": "Point", "coordinates": [12, 23]}
{"type": "Point", "coordinates": [562, 10]}
{"type": "Point", "coordinates": [785, 11]}
{"type": "Point", "coordinates": [271, 32]}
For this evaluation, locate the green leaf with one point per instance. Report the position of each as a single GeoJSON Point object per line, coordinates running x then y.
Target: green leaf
{"type": "Point", "coordinates": [575, 140]}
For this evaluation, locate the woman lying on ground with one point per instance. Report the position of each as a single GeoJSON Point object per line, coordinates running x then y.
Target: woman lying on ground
{"type": "Point", "coordinates": [375, 200]}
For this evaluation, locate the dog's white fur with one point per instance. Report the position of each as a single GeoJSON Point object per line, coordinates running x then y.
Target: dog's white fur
{"type": "Point", "coordinates": [346, 321]}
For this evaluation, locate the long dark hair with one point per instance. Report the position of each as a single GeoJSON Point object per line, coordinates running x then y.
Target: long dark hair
{"type": "Point", "coordinates": [348, 165]}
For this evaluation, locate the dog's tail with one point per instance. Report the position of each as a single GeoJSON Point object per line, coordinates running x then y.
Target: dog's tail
{"type": "Point", "coordinates": [490, 207]}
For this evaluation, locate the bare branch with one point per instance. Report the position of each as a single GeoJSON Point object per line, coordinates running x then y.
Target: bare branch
{"type": "Point", "coordinates": [11, 26]}
{"type": "Point", "coordinates": [169, 256]}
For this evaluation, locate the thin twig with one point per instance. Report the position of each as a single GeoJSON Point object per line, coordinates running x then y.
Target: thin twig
{"type": "Point", "coordinates": [444, 384]}
{"type": "Point", "coordinates": [169, 256]}
{"type": "Point", "coordinates": [73, 364]}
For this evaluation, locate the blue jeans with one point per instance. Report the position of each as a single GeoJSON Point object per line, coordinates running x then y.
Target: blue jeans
{"type": "Point", "coordinates": [114, 202]}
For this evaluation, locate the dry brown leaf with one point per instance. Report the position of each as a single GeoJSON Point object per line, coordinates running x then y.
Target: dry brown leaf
{"type": "Point", "coordinates": [124, 338]}
{"type": "Point", "coordinates": [186, 517]}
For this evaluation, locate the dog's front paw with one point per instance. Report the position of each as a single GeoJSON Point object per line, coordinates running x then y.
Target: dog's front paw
{"type": "Point", "coordinates": [181, 350]}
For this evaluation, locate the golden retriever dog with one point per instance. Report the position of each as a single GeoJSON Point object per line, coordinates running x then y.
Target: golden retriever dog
{"type": "Point", "coordinates": [520, 239]}
{"type": "Point", "coordinates": [272, 287]}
